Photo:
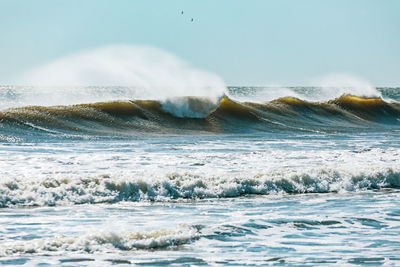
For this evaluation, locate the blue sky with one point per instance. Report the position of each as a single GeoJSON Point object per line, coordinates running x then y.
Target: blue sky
{"type": "Point", "coordinates": [252, 42]}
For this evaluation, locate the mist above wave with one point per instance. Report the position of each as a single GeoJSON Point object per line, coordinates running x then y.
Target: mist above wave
{"type": "Point", "coordinates": [326, 87]}
{"type": "Point", "coordinates": [115, 72]}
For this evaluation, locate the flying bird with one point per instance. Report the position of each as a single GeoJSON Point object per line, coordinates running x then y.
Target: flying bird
{"type": "Point", "coordinates": [182, 12]}
{"type": "Point", "coordinates": [191, 20]}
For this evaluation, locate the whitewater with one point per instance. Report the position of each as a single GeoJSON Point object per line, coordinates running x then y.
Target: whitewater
{"type": "Point", "coordinates": [299, 176]}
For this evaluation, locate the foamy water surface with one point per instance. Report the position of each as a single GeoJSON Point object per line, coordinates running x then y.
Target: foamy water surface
{"type": "Point", "coordinates": [229, 187]}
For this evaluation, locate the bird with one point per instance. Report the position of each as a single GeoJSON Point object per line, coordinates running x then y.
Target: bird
{"type": "Point", "coordinates": [182, 12]}
{"type": "Point", "coordinates": [191, 20]}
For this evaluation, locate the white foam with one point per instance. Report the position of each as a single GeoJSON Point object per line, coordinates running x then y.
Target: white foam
{"type": "Point", "coordinates": [102, 241]}
{"type": "Point", "coordinates": [190, 107]}
{"type": "Point", "coordinates": [80, 190]}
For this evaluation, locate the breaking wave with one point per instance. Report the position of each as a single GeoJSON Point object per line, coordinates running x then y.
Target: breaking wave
{"type": "Point", "coordinates": [108, 189]}
{"type": "Point", "coordinates": [198, 114]}
{"type": "Point", "coordinates": [102, 242]}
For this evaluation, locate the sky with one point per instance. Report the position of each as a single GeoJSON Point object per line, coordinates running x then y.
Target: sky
{"type": "Point", "coordinates": [248, 42]}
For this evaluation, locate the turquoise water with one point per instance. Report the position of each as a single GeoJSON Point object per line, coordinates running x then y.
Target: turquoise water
{"type": "Point", "coordinates": [282, 181]}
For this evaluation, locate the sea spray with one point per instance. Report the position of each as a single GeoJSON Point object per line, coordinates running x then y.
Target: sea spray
{"type": "Point", "coordinates": [337, 84]}
{"type": "Point", "coordinates": [115, 72]}
{"type": "Point", "coordinates": [261, 94]}
{"type": "Point", "coordinates": [190, 107]}
{"type": "Point", "coordinates": [324, 88]}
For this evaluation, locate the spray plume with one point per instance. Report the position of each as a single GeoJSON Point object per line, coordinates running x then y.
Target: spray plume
{"type": "Point", "coordinates": [118, 72]}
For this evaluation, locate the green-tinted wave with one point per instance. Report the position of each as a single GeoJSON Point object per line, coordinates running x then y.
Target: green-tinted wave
{"type": "Point", "coordinates": [200, 115]}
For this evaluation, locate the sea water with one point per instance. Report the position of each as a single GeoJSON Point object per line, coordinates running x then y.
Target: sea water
{"type": "Point", "coordinates": [193, 181]}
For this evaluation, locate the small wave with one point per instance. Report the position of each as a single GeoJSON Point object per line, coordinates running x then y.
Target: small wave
{"type": "Point", "coordinates": [102, 242]}
{"type": "Point", "coordinates": [105, 189]}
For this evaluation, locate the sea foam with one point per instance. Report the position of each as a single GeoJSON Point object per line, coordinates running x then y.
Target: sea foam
{"type": "Point", "coordinates": [102, 241]}
{"type": "Point", "coordinates": [173, 186]}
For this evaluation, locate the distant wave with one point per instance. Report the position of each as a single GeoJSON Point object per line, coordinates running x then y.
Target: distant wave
{"type": "Point", "coordinates": [185, 115]}
{"type": "Point", "coordinates": [20, 191]}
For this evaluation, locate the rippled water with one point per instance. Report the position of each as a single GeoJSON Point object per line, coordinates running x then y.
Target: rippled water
{"type": "Point", "coordinates": [296, 229]}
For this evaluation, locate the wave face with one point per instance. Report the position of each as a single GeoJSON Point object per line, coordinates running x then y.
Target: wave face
{"type": "Point", "coordinates": [188, 115]}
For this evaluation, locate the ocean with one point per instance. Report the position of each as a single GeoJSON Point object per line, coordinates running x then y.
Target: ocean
{"type": "Point", "coordinates": [301, 176]}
